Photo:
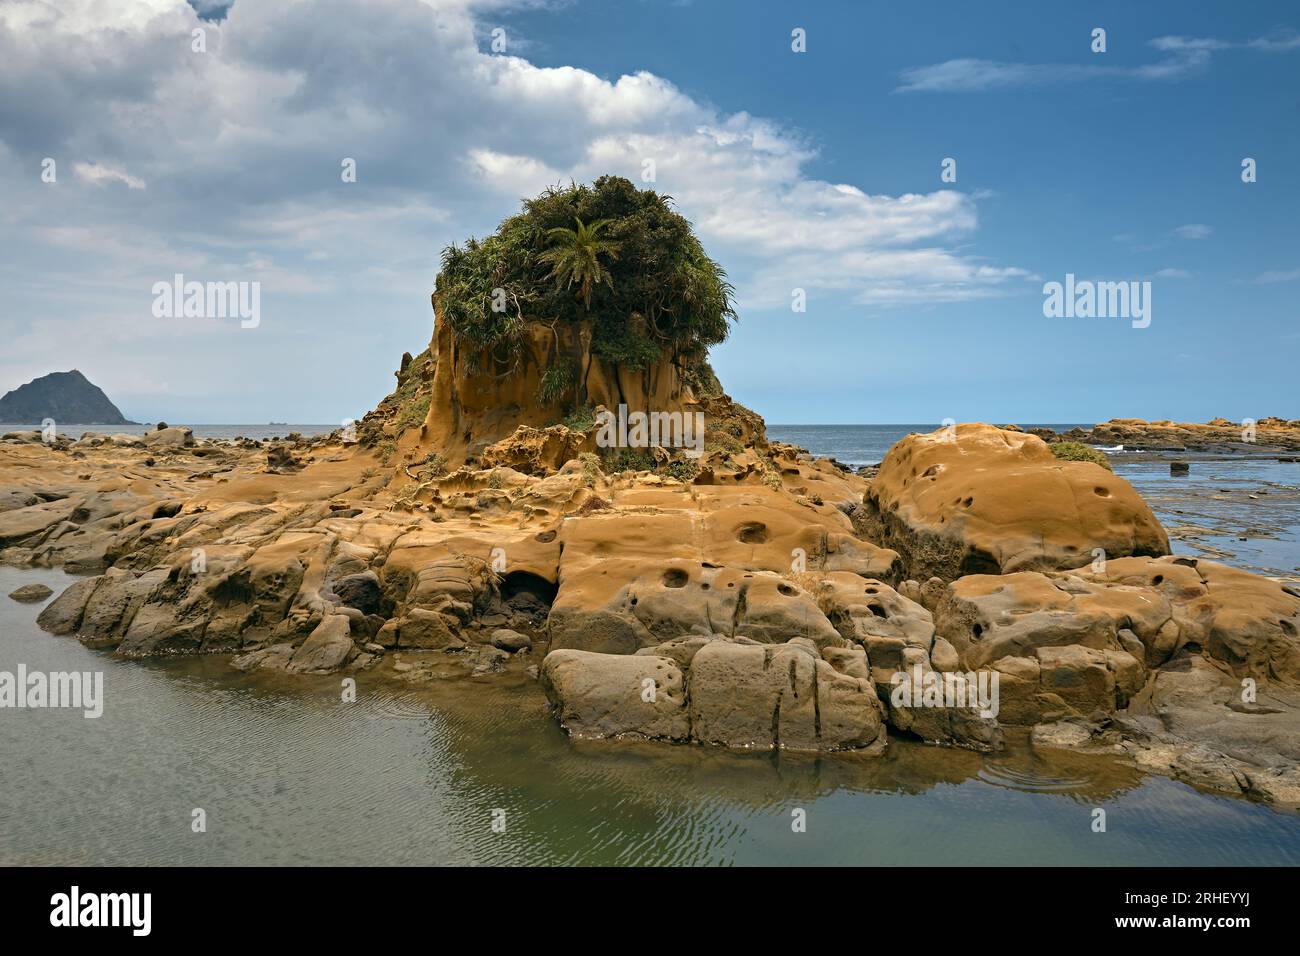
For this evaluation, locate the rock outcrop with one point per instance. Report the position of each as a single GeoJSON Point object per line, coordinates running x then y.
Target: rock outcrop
{"type": "Point", "coordinates": [735, 693]}
{"type": "Point", "coordinates": [974, 499]}
{"type": "Point", "coordinates": [750, 597]}
{"type": "Point", "coordinates": [1267, 435]}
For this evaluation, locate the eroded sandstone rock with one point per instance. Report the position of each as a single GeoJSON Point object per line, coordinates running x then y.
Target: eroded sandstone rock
{"type": "Point", "coordinates": [974, 499]}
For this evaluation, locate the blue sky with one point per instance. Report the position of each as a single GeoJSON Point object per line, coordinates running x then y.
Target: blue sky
{"type": "Point", "coordinates": [818, 170]}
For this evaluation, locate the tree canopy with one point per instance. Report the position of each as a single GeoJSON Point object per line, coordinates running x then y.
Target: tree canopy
{"type": "Point", "coordinates": [610, 254]}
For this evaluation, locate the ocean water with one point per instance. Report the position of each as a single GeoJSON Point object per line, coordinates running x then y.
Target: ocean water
{"type": "Point", "coordinates": [286, 773]}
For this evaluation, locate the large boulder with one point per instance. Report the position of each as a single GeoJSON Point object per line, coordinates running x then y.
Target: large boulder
{"type": "Point", "coordinates": [326, 649]}
{"type": "Point", "coordinates": [722, 561]}
{"type": "Point", "coordinates": [169, 439]}
{"type": "Point", "coordinates": [613, 695]}
{"type": "Point", "coordinates": [715, 690]}
{"type": "Point", "coordinates": [756, 697]}
{"type": "Point", "coordinates": [1149, 608]}
{"type": "Point", "coordinates": [622, 606]}
{"type": "Point", "coordinates": [974, 499]}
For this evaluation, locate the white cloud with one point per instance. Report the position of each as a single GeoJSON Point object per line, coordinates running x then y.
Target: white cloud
{"type": "Point", "coordinates": [1184, 56]}
{"type": "Point", "coordinates": [241, 150]}
{"type": "Point", "coordinates": [98, 175]}
{"type": "Point", "coordinates": [516, 175]}
{"type": "Point", "coordinates": [1288, 275]}
{"type": "Point", "coordinates": [1194, 230]}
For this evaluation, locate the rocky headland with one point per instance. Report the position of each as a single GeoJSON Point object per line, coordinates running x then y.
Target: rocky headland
{"type": "Point", "coordinates": [63, 397]}
{"type": "Point", "coordinates": [977, 589]}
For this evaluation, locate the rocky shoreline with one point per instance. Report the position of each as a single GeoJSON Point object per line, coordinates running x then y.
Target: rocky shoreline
{"type": "Point", "coordinates": [767, 601]}
{"type": "Point", "coordinates": [1267, 437]}
{"type": "Point", "coordinates": [718, 589]}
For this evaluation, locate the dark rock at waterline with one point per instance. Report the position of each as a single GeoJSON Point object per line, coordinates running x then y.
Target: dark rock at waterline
{"type": "Point", "coordinates": [1179, 468]}
{"type": "Point", "coordinates": [31, 593]}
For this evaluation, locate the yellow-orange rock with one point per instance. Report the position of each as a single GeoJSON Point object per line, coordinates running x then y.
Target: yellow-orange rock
{"type": "Point", "coordinates": [975, 499]}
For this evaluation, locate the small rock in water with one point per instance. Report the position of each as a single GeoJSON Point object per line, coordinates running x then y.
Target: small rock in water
{"type": "Point", "coordinates": [31, 593]}
{"type": "Point", "coordinates": [1179, 468]}
{"type": "Point", "coordinates": [511, 641]}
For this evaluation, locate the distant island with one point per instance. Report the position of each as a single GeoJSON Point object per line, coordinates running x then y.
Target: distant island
{"type": "Point", "coordinates": [62, 396]}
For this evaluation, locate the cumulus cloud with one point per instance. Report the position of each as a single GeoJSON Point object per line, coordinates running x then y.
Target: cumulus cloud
{"type": "Point", "coordinates": [1194, 230]}
{"type": "Point", "coordinates": [241, 148]}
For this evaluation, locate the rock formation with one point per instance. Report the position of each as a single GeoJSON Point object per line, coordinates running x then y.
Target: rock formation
{"type": "Point", "coordinates": [1267, 435]}
{"type": "Point", "coordinates": [974, 499]}
{"type": "Point", "coordinates": [751, 598]}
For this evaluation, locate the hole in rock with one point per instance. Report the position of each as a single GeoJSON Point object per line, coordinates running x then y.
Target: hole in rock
{"type": "Point", "coordinates": [525, 588]}
{"type": "Point", "coordinates": [755, 533]}
{"type": "Point", "coordinates": [544, 537]}
{"type": "Point", "coordinates": [1287, 627]}
{"type": "Point", "coordinates": [786, 590]}
{"type": "Point", "coordinates": [877, 610]}
{"type": "Point", "coordinates": [977, 631]}
{"type": "Point", "coordinates": [1101, 492]}
{"type": "Point", "coordinates": [675, 578]}
{"type": "Point", "coordinates": [1158, 579]}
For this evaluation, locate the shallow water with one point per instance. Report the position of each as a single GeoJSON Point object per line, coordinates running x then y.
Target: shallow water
{"type": "Point", "coordinates": [289, 774]}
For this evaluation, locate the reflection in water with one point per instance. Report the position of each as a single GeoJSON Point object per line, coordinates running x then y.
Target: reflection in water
{"type": "Point", "coordinates": [289, 774]}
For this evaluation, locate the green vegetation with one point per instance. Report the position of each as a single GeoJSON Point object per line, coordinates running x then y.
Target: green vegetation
{"type": "Point", "coordinates": [575, 256]}
{"type": "Point", "coordinates": [721, 441]}
{"type": "Point", "coordinates": [684, 470]}
{"type": "Point", "coordinates": [580, 420]}
{"type": "Point", "coordinates": [405, 406]}
{"type": "Point", "coordinates": [607, 254]}
{"type": "Point", "coordinates": [554, 384]}
{"type": "Point", "coordinates": [433, 466]}
{"type": "Point", "coordinates": [628, 459]}
{"type": "Point", "coordinates": [1078, 451]}
{"type": "Point", "coordinates": [590, 468]}
{"type": "Point", "coordinates": [413, 413]}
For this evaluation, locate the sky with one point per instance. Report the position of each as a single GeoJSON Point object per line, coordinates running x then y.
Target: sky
{"type": "Point", "coordinates": [134, 149]}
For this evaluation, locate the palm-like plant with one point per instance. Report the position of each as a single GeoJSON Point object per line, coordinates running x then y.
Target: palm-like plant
{"type": "Point", "coordinates": [575, 257]}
